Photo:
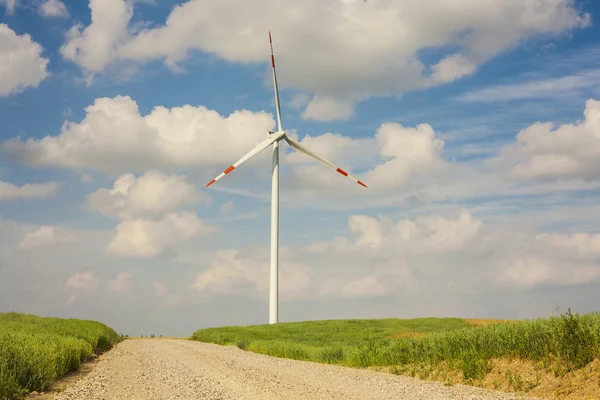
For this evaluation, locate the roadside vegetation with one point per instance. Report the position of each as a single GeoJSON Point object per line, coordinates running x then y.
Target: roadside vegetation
{"type": "Point", "coordinates": [35, 351]}
{"type": "Point", "coordinates": [333, 341]}
{"type": "Point", "coordinates": [494, 355]}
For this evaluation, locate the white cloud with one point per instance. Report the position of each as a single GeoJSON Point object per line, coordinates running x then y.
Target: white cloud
{"type": "Point", "coordinates": [328, 109]}
{"type": "Point", "coordinates": [227, 207]}
{"type": "Point", "coordinates": [407, 150]}
{"type": "Point", "coordinates": [168, 299]}
{"type": "Point", "coordinates": [435, 252]}
{"type": "Point", "coordinates": [248, 274]}
{"type": "Point", "coordinates": [10, 5]}
{"type": "Point", "coordinates": [570, 151]}
{"type": "Point", "coordinates": [151, 194]}
{"type": "Point", "coordinates": [389, 160]}
{"type": "Point", "coordinates": [424, 235]}
{"type": "Point", "coordinates": [452, 67]}
{"type": "Point", "coordinates": [21, 62]}
{"type": "Point", "coordinates": [147, 210]}
{"type": "Point", "coordinates": [47, 237]}
{"type": "Point", "coordinates": [340, 51]}
{"type": "Point", "coordinates": [339, 149]}
{"type": "Point", "coordinates": [8, 191]}
{"type": "Point", "coordinates": [365, 286]}
{"type": "Point", "coordinates": [54, 8]}
{"type": "Point", "coordinates": [533, 271]}
{"type": "Point", "coordinates": [159, 288]}
{"type": "Point", "coordinates": [582, 243]}
{"type": "Point", "coordinates": [115, 138]}
{"type": "Point", "coordinates": [85, 281]}
{"type": "Point", "coordinates": [150, 237]}
{"type": "Point", "coordinates": [121, 284]}
{"type": "Point", "coordinates": [537, 89]}
{"type": "Point", "coordinates": [95, 45]}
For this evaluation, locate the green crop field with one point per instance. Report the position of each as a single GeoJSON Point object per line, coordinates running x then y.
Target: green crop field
{"type": "Point", "coordinates": [574, 340]}
{"type": "Point", "coordinates": [35, 351]}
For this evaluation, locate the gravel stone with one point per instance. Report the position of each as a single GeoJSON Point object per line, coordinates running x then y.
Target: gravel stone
{"type": "Point", "coordinates": [157, 369]}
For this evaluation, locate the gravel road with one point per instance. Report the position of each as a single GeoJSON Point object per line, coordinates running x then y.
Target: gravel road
{"type": "Point", "coordinates": [151, 369]}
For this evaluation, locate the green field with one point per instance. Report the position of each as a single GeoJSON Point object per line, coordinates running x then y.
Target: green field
{"type": "Point", "coordinates": [573, 340]}
{"type": "Point", "coordinates": [332, 341]}
{"type": "Point", "coordinates": [35, 351]}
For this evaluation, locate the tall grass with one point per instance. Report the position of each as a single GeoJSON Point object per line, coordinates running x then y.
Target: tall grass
{"type": "Point", "coordinates": [331, 341]}
{"type": "Point", "coordinates": [574, 340]}
{"type": "Point", "coordinates": [570, 339]}
{"type": "Point", "coordinates": [35, 351]}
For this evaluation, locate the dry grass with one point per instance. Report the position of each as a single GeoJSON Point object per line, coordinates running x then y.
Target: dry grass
{"type": "Point", "coordinates": [473, 322]}
{"type": "Point", "coordinates": [536, 379]}
{"type": "Point", "coordinates": [555, 356]}
{"type": "Point", "coordinates": [403, 335]}
{"type": "Point", "coordinates": [482, 322]}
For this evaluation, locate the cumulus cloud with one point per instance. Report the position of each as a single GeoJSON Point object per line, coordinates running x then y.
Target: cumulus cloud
{"type": "Point", "coordinates": [151, 194]}
{"type": "Point", "coordinates": [114, 138]}
{"type": "Point", "coordinates": [141, 237]}
{"type": "Point", "coordinates": [394, 155]}
{"type": "Point", "coordinates": [121, 284]}
{"type": "Point", "coordinates": [21, 61]}
{"type": "Point", "coordinates": [340, 53]}
{"type": "Point", "coordinates": [232, 272]}
{"type": "Point", "coordinates": [47, 237]}
{"type": "Point", "coordinates": [406, 150]}
{"type": "Point", "coordinates": [533, 271]}
{"type": "Point", "coordinates": [96, 44]}
{"type": "Point", "coordinates": [424, 235]}
{"type": "Point", "coordinates": [339, 149]}
{"type": "Point", "coordinates": [384, 257]}
{"type": "Point", "coordinates": [84, 281]}
{"type": "Point", "coordinates": [148, 210]}
{"type": "Point", "coordinates": [582, 243]}
{"type": "Point", "coordinates": [53, 8]}
{"type": "Point", "coordinates": [452, 67]}
{"type": "Point", "coordinates": [8, 191]}
{"type": "Point", "coordinates": [545, 152]}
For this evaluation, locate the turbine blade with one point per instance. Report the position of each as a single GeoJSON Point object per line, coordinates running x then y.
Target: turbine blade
{"type": "Point", "coordinates": [275, 85]}
{"type": "Point", "coordinates": [257, 149]}
{"type": "Point", "coordinates": [303, 149]}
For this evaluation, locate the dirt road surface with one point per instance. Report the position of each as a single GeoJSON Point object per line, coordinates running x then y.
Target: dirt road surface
{"type": "Point", "coordinates": [153, 369]}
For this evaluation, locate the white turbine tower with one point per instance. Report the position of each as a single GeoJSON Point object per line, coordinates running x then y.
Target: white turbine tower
{"type": "Point", "coordinates": [273, 139]}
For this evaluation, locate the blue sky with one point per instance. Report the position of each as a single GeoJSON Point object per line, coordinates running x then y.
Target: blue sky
{"type": "Point", "coordinates": [467, 124]}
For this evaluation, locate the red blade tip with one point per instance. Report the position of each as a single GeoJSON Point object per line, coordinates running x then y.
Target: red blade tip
{"type": "Point", "coordinates": [361, 184]}
{"type": "Point", "coordinates": [210, 183]}
{"type": "Point", "coordinates": [341, 171]}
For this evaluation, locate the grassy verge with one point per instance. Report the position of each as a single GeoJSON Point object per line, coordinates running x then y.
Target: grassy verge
{"type": "Point", "coordinates": [35, 351]}
{"type": "Point", "coordinates": [335, 341]}
{"type": "Point", "coordinates": [561, 344]}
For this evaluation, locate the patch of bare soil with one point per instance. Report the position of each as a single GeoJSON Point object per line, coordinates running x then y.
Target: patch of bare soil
{"type": "Point", "coordinates": [403, 335]}
{"type": "Point", "coordinates": [537, 379]}
{"type": "Point", "coordinates": [481, 322]}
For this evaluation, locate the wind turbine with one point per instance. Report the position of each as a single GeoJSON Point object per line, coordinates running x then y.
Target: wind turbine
{"type": "Point", "coordinates": [273, 140]}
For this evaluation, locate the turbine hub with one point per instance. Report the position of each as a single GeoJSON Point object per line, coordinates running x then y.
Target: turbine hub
{"type": "Point", "coordinates": [279, 134]}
